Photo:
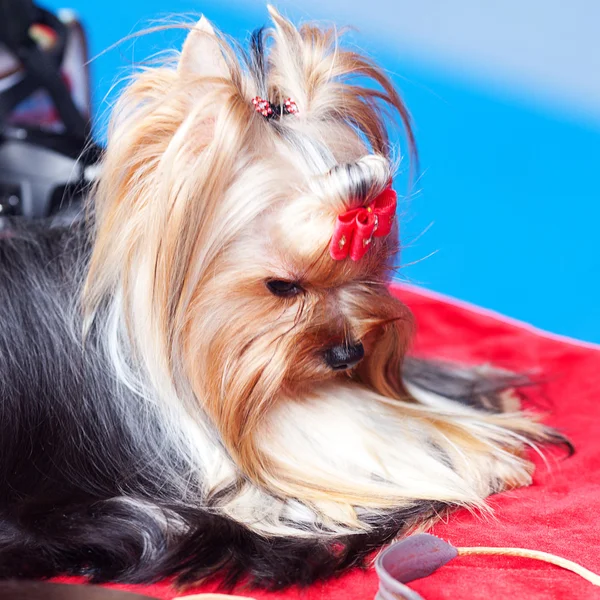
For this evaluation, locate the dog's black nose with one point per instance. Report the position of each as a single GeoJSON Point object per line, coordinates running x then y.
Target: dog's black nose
{"type": "Point", "coordinates": [344, 356]}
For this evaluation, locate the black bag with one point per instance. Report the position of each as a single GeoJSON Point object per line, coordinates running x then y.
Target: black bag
{"type": "Point", "coordinates": [47, 157]}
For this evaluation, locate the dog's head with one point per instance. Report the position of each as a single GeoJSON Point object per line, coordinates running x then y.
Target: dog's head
{"type": "Point", "coordinates": [214, 227]}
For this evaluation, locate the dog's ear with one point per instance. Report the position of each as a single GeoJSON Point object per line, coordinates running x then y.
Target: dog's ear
{"type": "Point", "coordinates": [202, 53]}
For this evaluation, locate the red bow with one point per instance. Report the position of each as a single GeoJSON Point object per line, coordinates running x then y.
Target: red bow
{"type": "Point", "coordinates": [355, 229]}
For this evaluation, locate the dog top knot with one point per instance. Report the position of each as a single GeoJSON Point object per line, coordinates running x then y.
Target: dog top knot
{"type": "Point", "coordinates": [269, 110]}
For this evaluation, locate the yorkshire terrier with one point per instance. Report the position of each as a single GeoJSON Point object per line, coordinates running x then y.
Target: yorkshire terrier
{"type": "Point", "coordinates": [207, 375]}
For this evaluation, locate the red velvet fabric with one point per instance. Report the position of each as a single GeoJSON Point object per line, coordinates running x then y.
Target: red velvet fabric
{"type": "Point", "coordinates": [559, 513]}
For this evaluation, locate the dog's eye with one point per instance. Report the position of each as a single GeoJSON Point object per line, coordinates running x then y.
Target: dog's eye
{"type": "Point", "coordinates": [279, 287]}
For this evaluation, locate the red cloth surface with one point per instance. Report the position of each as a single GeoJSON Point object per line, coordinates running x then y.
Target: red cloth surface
{"type": "Point", "coordinates": [559, 513]}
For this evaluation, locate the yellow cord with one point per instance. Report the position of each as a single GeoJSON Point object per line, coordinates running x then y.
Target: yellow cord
{"type": "Point", "coordinates": [593, 578]}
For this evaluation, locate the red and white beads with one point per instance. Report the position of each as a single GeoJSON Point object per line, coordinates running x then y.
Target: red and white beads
{"type": "Point", "coordinates": [262, 106]}
{"type": "Point", "coordinates": [290, 107]}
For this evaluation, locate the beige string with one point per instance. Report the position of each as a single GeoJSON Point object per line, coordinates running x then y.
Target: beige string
{"type": "Point", "coordinates": [593, 578]}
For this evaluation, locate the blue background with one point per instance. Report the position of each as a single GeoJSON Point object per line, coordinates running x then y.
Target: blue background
{"type": "Point", "coordinates": [508, 197]}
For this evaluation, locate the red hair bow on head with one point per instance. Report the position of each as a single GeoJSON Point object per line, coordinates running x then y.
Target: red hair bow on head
{"type": "Point", "coordinates": [355, 229]}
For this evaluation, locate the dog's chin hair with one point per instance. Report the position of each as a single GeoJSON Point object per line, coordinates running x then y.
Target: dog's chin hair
{"type": "Point", "coordinates": [350, 453]}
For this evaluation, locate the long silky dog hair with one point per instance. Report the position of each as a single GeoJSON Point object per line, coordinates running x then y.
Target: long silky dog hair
{"type": "Point", "coordinates": [170, 406]}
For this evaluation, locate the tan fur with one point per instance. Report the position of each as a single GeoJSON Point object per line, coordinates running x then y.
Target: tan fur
{"type": "Point", "coordinates": [201, 201]}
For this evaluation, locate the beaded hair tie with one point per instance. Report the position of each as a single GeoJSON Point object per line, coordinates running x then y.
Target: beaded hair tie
{"type": "Point", "coordinates": [269, 110]}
